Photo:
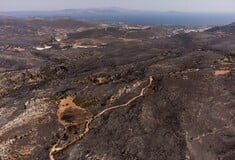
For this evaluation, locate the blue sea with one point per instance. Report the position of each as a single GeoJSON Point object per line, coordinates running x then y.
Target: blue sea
{"type": "Point", "coordinates": [165, 18]}
{"type": "Point", "coordinates": [136, 17]}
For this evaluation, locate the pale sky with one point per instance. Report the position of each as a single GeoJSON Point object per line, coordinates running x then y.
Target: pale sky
{"type": "Point", "coordinates": [224, 6]}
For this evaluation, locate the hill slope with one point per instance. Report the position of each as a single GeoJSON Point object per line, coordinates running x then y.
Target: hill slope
{"type": "Point", "coordinates": [92, 91]}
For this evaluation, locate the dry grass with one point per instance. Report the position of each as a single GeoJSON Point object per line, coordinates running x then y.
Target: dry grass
{"type": "Point", "coordinates": [221, 72]}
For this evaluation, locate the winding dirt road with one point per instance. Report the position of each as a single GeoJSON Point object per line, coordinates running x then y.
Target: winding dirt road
{"type": "Point", "coordinates": [55, 147]}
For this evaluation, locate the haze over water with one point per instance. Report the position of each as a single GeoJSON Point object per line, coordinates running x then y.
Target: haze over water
{"type": "Point", "coordinates": [177, 12]}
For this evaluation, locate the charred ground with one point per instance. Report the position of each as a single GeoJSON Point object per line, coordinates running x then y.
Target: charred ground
{"type": "Point", "coordinates": [57, 75]}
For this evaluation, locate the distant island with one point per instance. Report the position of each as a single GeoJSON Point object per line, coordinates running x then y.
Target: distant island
{"type": "Point", "coordinates": [115, 14]}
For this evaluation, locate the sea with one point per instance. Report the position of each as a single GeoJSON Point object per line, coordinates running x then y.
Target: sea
{"type": "Point", "coordinates": [136, 17]}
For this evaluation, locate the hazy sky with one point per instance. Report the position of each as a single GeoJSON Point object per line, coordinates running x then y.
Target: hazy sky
{"type": "Point", "coordinates": [154, 5]}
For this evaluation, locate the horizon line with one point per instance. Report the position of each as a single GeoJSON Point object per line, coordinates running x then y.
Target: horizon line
{"type": "Point", "coordinates": [117, 8]}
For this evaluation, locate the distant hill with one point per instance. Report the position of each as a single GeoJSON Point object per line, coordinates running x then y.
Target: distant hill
{"type": "Point", "coordinates": [68, 12]}
{"type": "Point", "coordinates": [114, 14]}
{"type": "Point", "coordinates": [233, 24]}
{"type": "Point", "coordinates": [227, 28]}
